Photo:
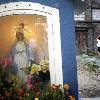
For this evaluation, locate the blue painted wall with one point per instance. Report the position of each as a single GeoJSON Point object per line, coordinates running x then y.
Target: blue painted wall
{"type": "Point", "coordinates": [67, 39]}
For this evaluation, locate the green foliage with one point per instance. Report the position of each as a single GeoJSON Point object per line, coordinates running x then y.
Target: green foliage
{"type": "Point", "coordinates": [93, 66]}
{"type": "Point", "coordinates": [90, 59]}
{"type": "Point", "coordinates": [90, 52]}
{"type": "Point", "coordinates": [53, 94]}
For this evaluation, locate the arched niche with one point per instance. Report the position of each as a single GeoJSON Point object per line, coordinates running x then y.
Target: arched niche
{"type": "Point", "coordinates": [53, 30]}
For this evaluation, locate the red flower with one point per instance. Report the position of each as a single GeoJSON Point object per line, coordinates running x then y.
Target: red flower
{"type": "Point", "coordinates": [53, 86]}
{"type": "Point", "coordinates": [56, 87]}
{"type": "Point", "coordinates": [21, 93]}
{"type": "Point", "coordinates": [8, 94]}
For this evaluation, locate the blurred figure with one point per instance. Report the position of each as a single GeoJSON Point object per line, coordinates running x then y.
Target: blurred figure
{"type": "Point", "coordinates": [98, 44]}
{"type": "Point", "coordinates": [21, 54]}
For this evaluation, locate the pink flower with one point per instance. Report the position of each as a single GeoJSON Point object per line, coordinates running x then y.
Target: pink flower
{"type": "Point", "coordinates": [29, 79]}
{"type": "Point", "coordinates": [5, 61]}
{"type": "Point", "coordinates": [30, 86]}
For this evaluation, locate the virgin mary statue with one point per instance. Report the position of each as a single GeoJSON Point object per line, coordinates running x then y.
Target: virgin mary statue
{"type": "Point", "coordinates": [21, 54]}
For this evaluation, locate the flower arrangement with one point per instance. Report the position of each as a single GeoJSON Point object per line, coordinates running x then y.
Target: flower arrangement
{"type": "Point", "coordinates": [35, 68]}
{"type": "Point", "coordinates": [18, 91]}
{"type": "Point", "coordinates": [5, 64]}
{"type": "Point", "coordinates": [38, 86]}
{"type": "Point", "coordinates": [39, 75]}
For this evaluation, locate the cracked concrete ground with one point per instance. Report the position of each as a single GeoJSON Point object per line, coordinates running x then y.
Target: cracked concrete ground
{"type": "Point", "coordinates": [88, 82]}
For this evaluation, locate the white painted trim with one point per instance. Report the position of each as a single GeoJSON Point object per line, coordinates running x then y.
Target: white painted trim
{"type": "Point", "coordinates": [54, 41]}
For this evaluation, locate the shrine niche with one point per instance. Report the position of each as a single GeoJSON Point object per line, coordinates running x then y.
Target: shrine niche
{"type": "Point", "coordinates": [28, 42]}
{"type": "Point", "coordinates": [24, 48]}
